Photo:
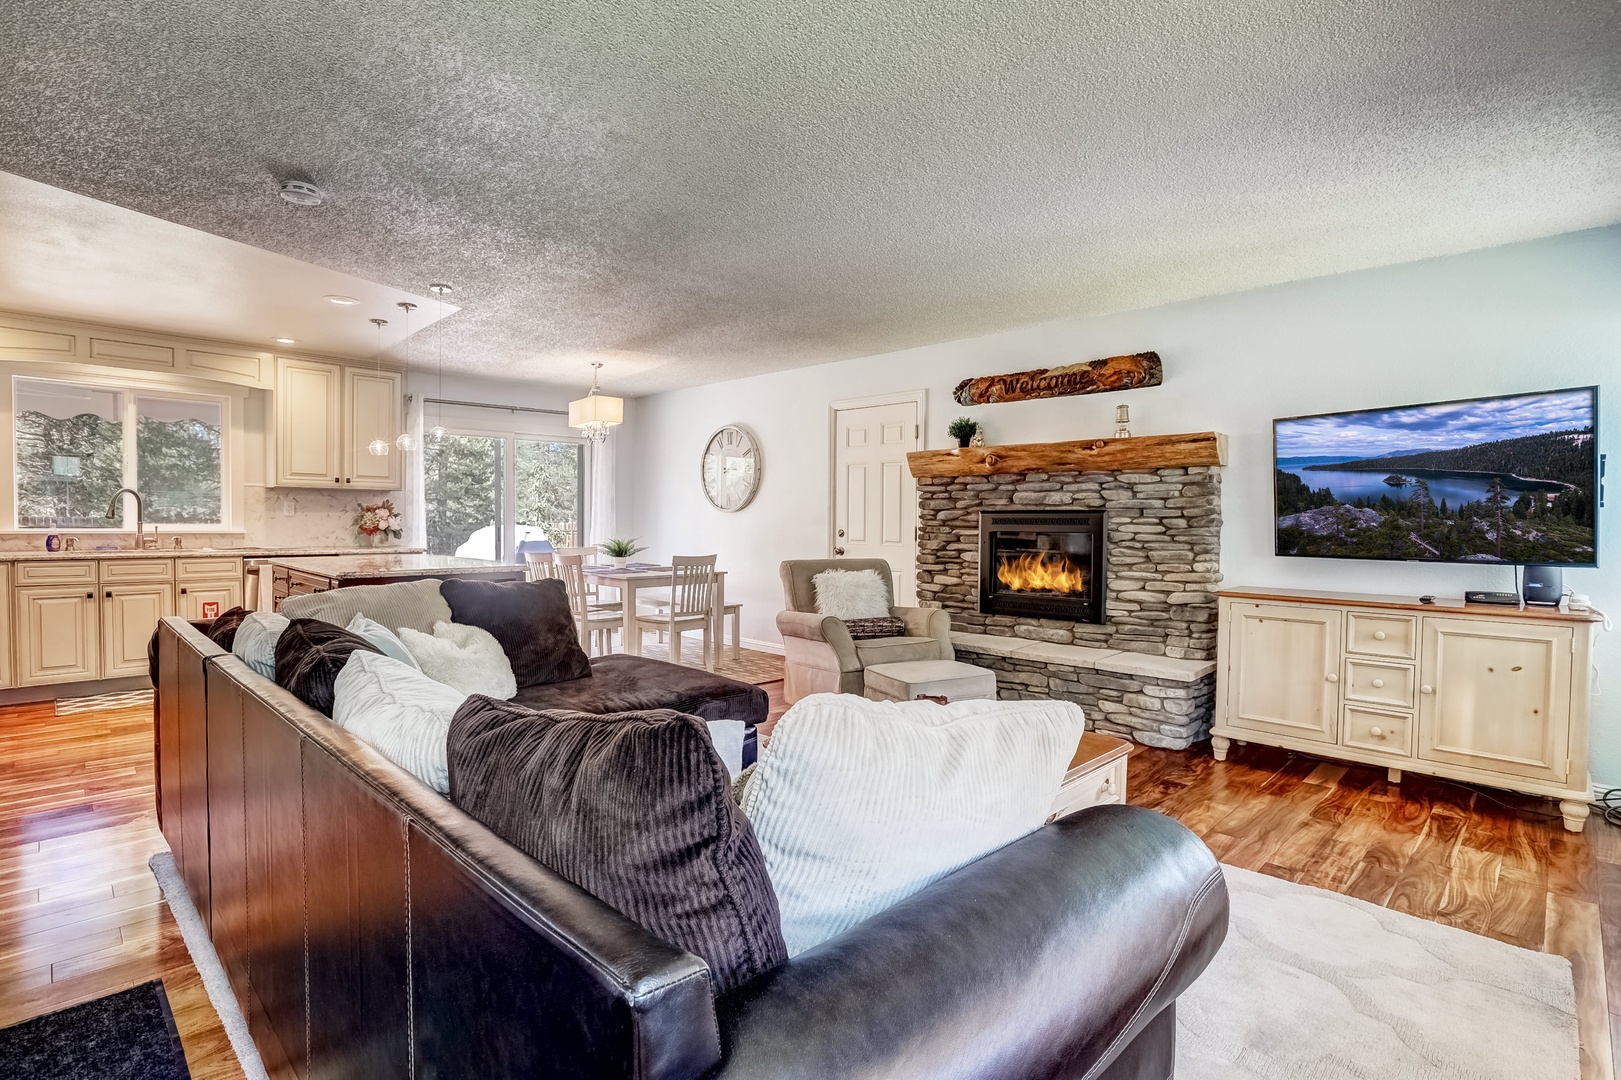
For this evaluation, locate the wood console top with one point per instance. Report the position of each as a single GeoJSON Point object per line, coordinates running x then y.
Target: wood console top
{"type": "Point", "coordinates": [1444, 605]}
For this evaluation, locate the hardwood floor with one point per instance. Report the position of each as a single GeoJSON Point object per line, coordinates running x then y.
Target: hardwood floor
{"type": "Point", "coordinates": [80, 915]}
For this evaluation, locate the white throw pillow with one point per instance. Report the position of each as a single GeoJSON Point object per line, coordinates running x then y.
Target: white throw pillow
{"type": "Point", "coordinates": [382, 637]}
{"type": "Point", "coordinates": [851, 594]}
{"type": "Point", "coordinates": [255, 641]}
{"type": "Point", "coordinates": [466, 657]}
{"type": "Point", "coordinates": [859, 804]}
{"type": "Point", "coordinates": [399, 712]}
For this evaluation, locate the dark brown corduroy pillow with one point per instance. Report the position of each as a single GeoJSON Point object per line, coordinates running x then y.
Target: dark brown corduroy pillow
{"type": "Point", "coordinates": [222, 631]}
{"type": "Point", "coordinates": [309, 655]}
{"type": "Point", "coordinates": [634, 808]}
{"type": "Point", "coordinates": [531, 620]}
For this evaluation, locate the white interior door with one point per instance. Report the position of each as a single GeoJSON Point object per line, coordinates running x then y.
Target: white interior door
{"type": "Point", "coordinates": [874, 495]}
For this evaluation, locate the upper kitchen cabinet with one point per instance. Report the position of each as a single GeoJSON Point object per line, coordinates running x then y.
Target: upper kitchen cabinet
{"type": "Point", "coordinates": [326, 416]}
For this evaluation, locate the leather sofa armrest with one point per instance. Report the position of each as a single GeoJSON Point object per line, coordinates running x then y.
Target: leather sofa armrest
{"type": "Point", "coordinates": [823, 628]}
{"type": "Point", "coordinates": [1042, 959]}
{"type": "Point", "coordinates": [928, 622]}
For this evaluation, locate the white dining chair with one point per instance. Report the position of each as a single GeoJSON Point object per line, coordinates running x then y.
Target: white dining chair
{"type": "Point", "coordinates": [597, 625]}
{"type": "Point", "coordinates": [692, 598]}
{"type": "Point", "coordinates": [538, 564]}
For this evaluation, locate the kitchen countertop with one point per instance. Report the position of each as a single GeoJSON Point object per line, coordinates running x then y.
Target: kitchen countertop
{"type": "Point", "coordinates": [202, 552]}
{"type": "Point", "coordinates": [375, 564]}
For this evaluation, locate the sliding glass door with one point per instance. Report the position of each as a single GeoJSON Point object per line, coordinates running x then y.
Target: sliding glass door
{"type": "Point", "coordinates": [496, 496]}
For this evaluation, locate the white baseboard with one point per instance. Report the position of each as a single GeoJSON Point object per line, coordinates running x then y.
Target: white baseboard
{"type": "Point", "coordinates": [763, 646]}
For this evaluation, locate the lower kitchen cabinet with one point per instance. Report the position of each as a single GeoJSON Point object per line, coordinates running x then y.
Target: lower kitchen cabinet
{"type": "Point", "coordinates": [209, 599]}
{"type": "Point", "coordinates": [58, 633]}
{"type": "Point", "coordinates": [129, 615]}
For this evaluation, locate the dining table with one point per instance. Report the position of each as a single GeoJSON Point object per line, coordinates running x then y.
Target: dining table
{"type": "Point", "coordinates": [633, 577]}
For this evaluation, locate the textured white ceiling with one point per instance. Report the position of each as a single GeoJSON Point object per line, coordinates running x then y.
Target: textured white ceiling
{"type": "Point", "coordinates": [703, 189]}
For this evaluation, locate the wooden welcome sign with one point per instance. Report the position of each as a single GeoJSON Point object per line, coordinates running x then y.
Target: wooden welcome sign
{"type": "Point", "coordinates": [1093, 377]}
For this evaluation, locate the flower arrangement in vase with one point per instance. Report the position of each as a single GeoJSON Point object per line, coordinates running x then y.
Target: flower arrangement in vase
{"type": "Point", "coordinates": [380, 520]}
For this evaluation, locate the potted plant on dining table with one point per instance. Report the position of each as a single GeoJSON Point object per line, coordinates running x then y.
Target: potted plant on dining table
{"type": "Point", "coordinates": [619, 552]}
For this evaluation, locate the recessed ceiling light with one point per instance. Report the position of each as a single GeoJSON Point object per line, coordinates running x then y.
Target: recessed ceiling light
{"type": "Point", "coordinates": [284, 341]}
{"type": "Point", "coordinates": [344, 300]}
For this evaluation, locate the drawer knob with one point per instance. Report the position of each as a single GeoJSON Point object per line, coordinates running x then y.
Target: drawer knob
{"type": "Point", "coordinates": [1378, 635]}
{"type": "Point", "coordinates": [1377, 733]}
{"type": "Point", "coordinates": [1108, 782]}
{"type": "Point", "coordinates": [1426, 689]}
{"type": "Point", "coordinates": [1332, 677]}
{"type": "Point", "coordinates": [1378, 684]}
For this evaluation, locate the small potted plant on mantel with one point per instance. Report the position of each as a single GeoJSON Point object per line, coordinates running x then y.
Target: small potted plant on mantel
{"type": "Point", "coordinates": [962, 429]}
{"type": "Point", "coordinates": [619, 552]}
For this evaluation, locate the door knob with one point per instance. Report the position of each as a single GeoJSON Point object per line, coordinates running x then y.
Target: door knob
{"type": "Point", "coordinates": [1378, 684]}
{"type": "Point", "coordinates": [838, 551]}
{"type": "Point", "coordinates": [1377, 733]}
{"type": "Point", "coordinates": [1378, 635]}
{"type": "Point", "coordinates": [1333, 678]}
{"type": "Point", "coordinates": [1426, 689]}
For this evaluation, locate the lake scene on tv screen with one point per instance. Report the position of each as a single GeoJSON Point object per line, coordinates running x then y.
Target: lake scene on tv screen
{"type": "Point", "coordinates": [1507, 479]}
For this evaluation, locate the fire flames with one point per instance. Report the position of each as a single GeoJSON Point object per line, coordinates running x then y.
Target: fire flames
{"type": "Point", "coordinates": [1037, 572]}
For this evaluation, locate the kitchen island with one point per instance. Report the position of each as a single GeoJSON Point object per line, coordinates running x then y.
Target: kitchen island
{"type": "Point", "coordinates": [300, 576]}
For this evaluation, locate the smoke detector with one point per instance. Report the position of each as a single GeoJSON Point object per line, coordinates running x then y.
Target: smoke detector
{"type": "Point", "coordinates": [302, 193]}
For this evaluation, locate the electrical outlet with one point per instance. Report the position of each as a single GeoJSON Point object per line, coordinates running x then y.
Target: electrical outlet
{"type": "Point", "coordinates": [289, 507]}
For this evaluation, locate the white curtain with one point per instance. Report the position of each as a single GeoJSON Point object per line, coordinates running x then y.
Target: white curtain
{"type": "Point", "coordinates": [415, 507]}
{"type": "Point", "coordinates": [600, 523]}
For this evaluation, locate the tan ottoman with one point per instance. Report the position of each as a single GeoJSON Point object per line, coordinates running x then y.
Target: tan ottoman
{"type": "Point", "coordinates": [932, 679]}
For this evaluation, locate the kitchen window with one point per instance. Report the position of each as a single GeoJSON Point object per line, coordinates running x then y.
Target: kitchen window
{"type": "Point", "coordinates": [78, 443]}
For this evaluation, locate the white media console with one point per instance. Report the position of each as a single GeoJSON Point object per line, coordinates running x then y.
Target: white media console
{"type": "Point", "coordinates": [1489, 695]}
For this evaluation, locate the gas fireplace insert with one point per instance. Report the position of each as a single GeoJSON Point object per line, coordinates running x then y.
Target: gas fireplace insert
{"type": "Point", "coordinates": [1044, 563]}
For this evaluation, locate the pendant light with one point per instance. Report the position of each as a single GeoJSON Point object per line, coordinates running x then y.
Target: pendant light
{"type": "Point", "coordinates": [378, 447]}
{"type": "Point", "coordinates": [596, 413]}
{"type": "Point", "coordinates": [406, 441]}
{"type": "Point", "coordinates": [436, 434]}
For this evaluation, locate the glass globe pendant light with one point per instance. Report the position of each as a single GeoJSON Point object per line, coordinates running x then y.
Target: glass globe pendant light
{"type": "Point", "coordinates": [436, 434]}
{"type": "Point", "coordinates": [406, 441]}
{"type": "Point", "coordinates": [378, 447]}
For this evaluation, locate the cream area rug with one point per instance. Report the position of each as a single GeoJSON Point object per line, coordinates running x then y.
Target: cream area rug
{"type": "Point", "coordinates": [1311, 985]}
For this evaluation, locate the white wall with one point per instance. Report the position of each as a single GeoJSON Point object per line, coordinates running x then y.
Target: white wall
{"type": "Point", "coordinates": [1525, 317]}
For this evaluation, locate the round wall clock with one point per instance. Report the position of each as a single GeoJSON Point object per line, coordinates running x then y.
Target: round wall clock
{"type": "Point", "coordinates": [731, 468]}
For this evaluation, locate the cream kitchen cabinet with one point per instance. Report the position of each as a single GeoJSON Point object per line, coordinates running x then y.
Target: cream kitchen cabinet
{"type": "Point", "coordinates": [6, 676]}
{"type": "Point", "coordinates": [58, 633]}
{"type": "Point", "coordinates": [129, 614]}
{"type": "Point", "coordinates": [208, 587]}
{"type": "Point", "coordinates": [1488, 695]}
{"type": "Point", "coordinates": [326, 415]}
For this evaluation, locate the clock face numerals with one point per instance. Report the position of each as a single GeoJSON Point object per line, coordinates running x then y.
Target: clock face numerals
{"type": "Point", "coordinates": [731, 468]}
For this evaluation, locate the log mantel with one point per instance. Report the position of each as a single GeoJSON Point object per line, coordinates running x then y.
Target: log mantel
{"type": "Point", "coordinates": [1140, 453]}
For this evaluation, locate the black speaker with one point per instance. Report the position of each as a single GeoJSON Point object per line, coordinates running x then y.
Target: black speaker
{"type": "Point", "coordinates": [1543, 585]}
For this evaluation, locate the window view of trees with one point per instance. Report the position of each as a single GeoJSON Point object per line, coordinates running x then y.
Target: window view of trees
{"type": "Point", "coordinates": [462, 484]}
{"type": "Point", "coordinates": [178, 461]}
{"type": "Point", "coordinates": [464, 481]}
{"type": "Point", "coordinates": [548, 489]}
{"type": "Point", "coordinates": [71, 456]}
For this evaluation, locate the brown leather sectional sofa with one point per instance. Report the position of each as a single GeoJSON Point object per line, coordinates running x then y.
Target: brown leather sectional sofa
{"type": "Point", "coordinates": [372, 930]}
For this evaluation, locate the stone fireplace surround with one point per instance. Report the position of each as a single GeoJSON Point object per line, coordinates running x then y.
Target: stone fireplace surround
{"type": "Point", "coordinates": [1148, 671]}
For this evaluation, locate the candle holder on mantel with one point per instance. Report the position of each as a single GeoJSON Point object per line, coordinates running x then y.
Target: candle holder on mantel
{"type": "Point", "coordinates": [1122, 421]}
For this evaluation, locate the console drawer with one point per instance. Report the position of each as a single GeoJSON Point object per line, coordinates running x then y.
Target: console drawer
{"type": "Point", "coordinates": [1373, 683]}
{"type": "Point", "coordinates": [1374, 729]}
{"type": "Point", "coordinates": [1381, 635]}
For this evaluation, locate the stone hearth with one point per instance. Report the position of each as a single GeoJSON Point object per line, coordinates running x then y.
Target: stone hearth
{"type": "Point", "coordinates": [1148, 671]}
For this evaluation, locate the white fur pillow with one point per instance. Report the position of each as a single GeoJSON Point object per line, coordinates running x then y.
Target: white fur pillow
{"type": "Point", "coordinates": [851, 594]}
{"type": "Point", "coordinates": [399, 712]}
{"type": "Point", "coordinates": [859, 804]}
{"type": "Point", "coordinates": [465, 657]}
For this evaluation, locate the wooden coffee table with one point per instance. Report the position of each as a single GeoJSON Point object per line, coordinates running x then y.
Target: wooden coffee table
{"type": "Point", "coordinates": [1096, 776]}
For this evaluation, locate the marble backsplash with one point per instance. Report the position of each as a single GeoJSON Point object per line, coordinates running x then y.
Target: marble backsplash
{"type": "Point", "coordinates": [272, 517]}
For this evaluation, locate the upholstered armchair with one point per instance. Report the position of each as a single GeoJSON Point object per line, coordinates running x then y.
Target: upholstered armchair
{"type": "Point", "coordinates": [822, 657]}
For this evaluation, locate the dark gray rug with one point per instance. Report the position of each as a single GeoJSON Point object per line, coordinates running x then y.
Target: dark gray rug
{"type": "Point", "coordinates": [125, 1036]}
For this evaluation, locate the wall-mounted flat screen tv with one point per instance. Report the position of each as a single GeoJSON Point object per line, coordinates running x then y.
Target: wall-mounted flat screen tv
{"type": "Point", "coordinates": [1511, 479]}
